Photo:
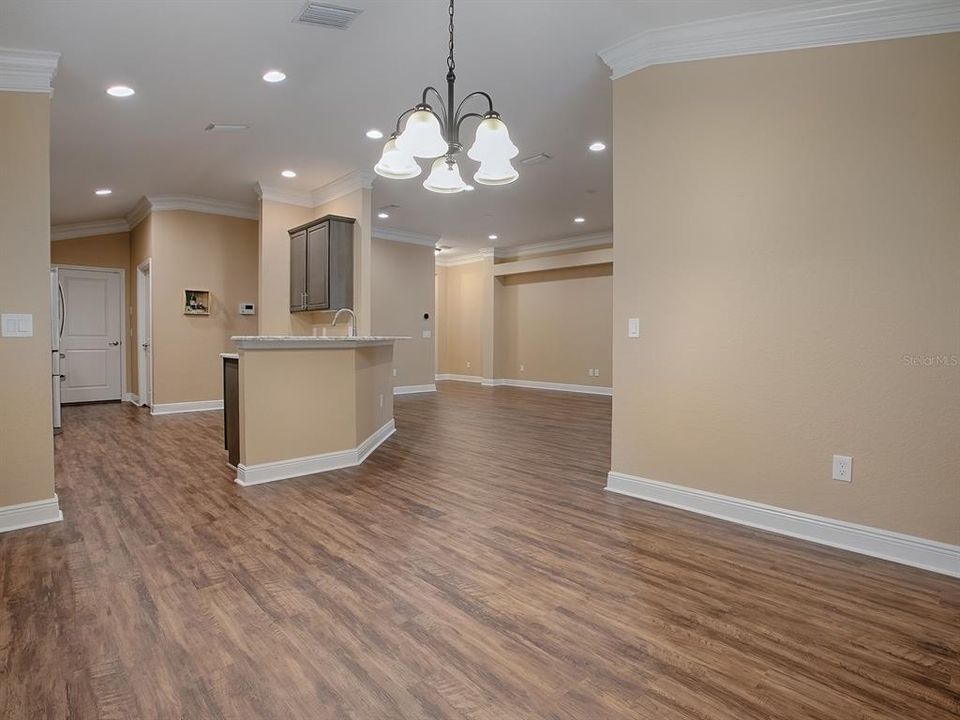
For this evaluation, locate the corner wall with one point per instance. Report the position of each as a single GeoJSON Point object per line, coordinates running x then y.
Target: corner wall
{"type": "Point", "coordinates": [787, 229]}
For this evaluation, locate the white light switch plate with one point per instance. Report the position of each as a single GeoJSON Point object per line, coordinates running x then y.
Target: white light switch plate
{"type": "Point", "coordinates": [16, 325]}
{"type": "Point", "coordinates": [633, 327]}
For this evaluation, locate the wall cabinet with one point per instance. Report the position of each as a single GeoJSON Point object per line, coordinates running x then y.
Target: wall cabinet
{"type": "Point", "coordinates": [321, 264]}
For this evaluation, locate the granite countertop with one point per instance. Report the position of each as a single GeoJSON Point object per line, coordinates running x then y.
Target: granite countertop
{"type": "Point", "coordinates": [279, 342]}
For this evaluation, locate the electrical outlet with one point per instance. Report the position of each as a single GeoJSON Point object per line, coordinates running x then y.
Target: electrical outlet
{"type": "Point", "coordinates": [843, 468]}
{"type": "Point", "coordinates": [394, 372]}
{"type": "Point", "coordinates": [381, 401]}
{"type": "Point", "coordinates": [468, 364]}
{"type": "Point", "coordinates": [596, 372]}
{"type": "Point", "coordinates": [521, 367]}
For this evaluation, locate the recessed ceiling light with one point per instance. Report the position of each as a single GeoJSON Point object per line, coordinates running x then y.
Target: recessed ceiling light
{"type": "Point", "coordinates": [383, 215]}
{"type": "Point", "coordinates": [103, 191]}
{"type": "Point", "coordinates": [468, 188]}
{"type": "Point", "coordinates": [288, 173]}
{"type": "Point", "coordinates": [598, 146]}
{"type": "Point", "coordinates": [120, 91]}
{"type": "Point", "coordinates": [579, 219]}
{"type": "Point", "coordinates": [374, 134]}
{"type": "Point", "coordinates": [492, 237]}
{"type": "Point", "coordinates": [274, 76]}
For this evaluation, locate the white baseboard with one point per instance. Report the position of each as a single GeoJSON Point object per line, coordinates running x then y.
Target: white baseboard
{"type": "Point", "coordinates": [460, 378]}
{"type": "Point", "coordinates": [185, 407]}
{"type": "Point", "coordinates": [885, 544]}
{"type": "Point", "coordinates": [411, 389]}
{"type": "Point", "coordinates": [132, 398]}
{"type": "Point", "coordinates": [560, 387]}
{"type": "Point", "coordinates": [24, 515]}
{"type": "Point", "coordinates": [284, 469]}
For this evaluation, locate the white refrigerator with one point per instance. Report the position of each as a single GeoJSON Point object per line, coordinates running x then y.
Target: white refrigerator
{"type": "Point", "coordinates": [57, 315]}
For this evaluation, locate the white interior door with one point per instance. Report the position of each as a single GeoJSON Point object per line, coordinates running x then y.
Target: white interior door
{"type": "Point", "coordinates": [144, 335]}
{"type": "Point", "coordinates": [92, 335]}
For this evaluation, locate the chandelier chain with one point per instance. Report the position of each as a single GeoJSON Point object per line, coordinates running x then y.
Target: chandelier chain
{"type": "Point", "coordinates": [451, 64]}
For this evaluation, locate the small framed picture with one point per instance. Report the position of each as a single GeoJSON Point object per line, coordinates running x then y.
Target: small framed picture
{"type": "Point", "coordinates": [196, 302]}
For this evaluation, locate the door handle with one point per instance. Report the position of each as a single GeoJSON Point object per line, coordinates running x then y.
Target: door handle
{"type": "Point", "coordinates": [114, 343]}
{"type": "Point", "coordinates": [62, 377]}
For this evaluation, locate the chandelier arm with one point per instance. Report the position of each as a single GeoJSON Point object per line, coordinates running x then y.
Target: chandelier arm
{"type": "Point", "coordinates": [464, 117]}
{"type": "Point", "coordinates": [476, 94]}
{"type": "Point", "coordinates": [402, 116]}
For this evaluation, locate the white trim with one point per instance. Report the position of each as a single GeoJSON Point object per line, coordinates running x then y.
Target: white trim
{"type": "Point", "coordinates": [271, 193]}
{"type": "Point", "coordinates": [132, 398]}
{"type": "Point", "coordinates": [29, 514]}
{"type": "Point", "coordinates": [558, 387]}
{"type": "Point", "coordinates": [89, 229]}
{"type": "Point", "coordinates": [28, 70]}
{"type": "Point", "coordinates": [411, 389]}
{"type": "Point", "coordinates": [351, 182]}
{"type": "Point", "coordinates": [284, 469]}
{"type": "Point", "coordinates": [479, 256]}
{"type": "Point", "coordinates": [459, 378]}
{"type": "Point", "coordinates": [809, 25]}
{"type": "Point", "coordinates": [579, 242]}
{"type": "Point", "coordinates": [582, 258]}
{"type": "Point", "coordinates": [186, 407]}
{"type": "Point", "coordinates": [203, 205]}
{"type": "Point", "coordinates": [404, 236]}
{"type": "Point", "coordinates": [138, 213]}
{"type": "Point", "coordinates": [144, 286]}
{"type": "Point", "coordinates": [123, 314]}
{"type": "Point", "coordinates": [896, 547]}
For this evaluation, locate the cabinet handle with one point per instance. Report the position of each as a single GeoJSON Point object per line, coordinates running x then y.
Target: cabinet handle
{"type": "Point", "coordinates": [303, 302]}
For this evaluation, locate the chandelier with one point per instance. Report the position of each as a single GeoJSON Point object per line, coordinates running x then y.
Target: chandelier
{"type": "Point", "coordinates": [429, 135]}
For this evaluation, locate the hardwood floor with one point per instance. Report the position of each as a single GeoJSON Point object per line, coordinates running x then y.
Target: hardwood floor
{"type": "Point", "coordinates": [472, 568]}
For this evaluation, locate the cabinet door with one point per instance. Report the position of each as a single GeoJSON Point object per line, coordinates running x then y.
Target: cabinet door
{"type": "Point", "coordinates": [318, 267]}
{"type": "Point", "coordinates": [341, 264]}
{"type": "Point", "coordinates": [298, 271]}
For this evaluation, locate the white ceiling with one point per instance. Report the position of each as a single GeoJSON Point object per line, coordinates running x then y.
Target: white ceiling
{"type": "Point", "coordinates": [193, 62]}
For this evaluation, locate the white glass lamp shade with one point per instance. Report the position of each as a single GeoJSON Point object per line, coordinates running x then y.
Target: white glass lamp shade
{"type": "Point", "coordinates": [444, 177]}
{"type": "Point", "coordinates": [421, 137]}
{"type": "Point", "coordinates": [492, 142]}
{"type": "Point", "coordinates": [496, 172]}
{"type": "Point", "coordinates": [396, 164]}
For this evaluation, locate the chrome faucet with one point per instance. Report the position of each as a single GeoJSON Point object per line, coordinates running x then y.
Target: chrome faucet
{"type": "Point", "coordinates": [352, 328]}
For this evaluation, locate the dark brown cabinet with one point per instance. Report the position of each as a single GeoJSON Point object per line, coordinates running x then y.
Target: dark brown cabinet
{"type": "Point", "coordinates": [321, 264]}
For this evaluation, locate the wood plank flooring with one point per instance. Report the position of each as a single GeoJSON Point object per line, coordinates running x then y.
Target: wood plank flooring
{"type": "Point", "coordinates": [472, 568]}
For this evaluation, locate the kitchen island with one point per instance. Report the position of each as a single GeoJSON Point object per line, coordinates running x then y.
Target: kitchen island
{"type": "Point", "coordinates": [310, 404]}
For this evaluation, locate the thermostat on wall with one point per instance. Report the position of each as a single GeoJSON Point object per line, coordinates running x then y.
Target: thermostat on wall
{"type": "Point", "coordinates": [248, 309]}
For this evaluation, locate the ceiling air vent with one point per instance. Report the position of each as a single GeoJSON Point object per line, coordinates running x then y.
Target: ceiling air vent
{"type": "Point", "coordinates": [226, 127]}
{"type": "Point", "coordinates": [536, 159]}
{"type": "Point", "coordinates": [324, 15]}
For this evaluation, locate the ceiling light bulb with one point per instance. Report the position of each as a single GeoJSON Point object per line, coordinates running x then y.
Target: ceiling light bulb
{"type": "Point", "coordinates": [120, 91]}
{"type": "Point", "coordinates": [396, 164]}
{"type": "Point", "coordinates": [496, 172]}
{"type": "Point", "coordinates": [383, 215]}
{"type": "Point", "coordinates": [421, 136]}
{"type": "Point", "coordinates": [103, 191]}
{"type": "Point", "coordinates": [288, 174]}
{"type": "Point", "coordinates": [598, 146]}
{"type": "Point", "coordinates": [274, 76]}
{"type": "Point", "coordinates": [579, 219]}
{"type": "Point", "coordinates": [493, 237]}
{"type": "Point", "coordinates": [374, 134]}
{"type": "Point", "coordinates": [492, 142]}
{"type": "Point", "coordinates": [444, 177]}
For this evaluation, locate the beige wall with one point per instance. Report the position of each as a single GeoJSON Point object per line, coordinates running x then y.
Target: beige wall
{"type": "Point", "coordinates": [26, 422]}
{"type": "Point", "coordinates": [274, 250]}
{"type": "Point", "coordinates": [461, 320]}
{"type": "Point", "coordinates": [787, 229]}
{"type": "Point", "coordinates": [204, 252]}
{"type": "Point", "coordinates": [403, 290]}
{"type": "Point", "coordinates": [557, 324]}
{"type": "Point", "coordinates": [105, 251]}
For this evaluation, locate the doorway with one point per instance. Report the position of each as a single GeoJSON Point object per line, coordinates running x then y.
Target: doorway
{"type": "Point", "coordinates": [91, 340]}
{"type": "Point", "coordinates": [145, 334]}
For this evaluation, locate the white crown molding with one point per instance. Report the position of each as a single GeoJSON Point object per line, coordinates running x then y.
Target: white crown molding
{"type": "Point", "coordinates": [203, 205]}
{"type": "Point", "coordinates": [272, 193]}
{"type": "Point", "coordinates": [405, 237]}
{"type": "Point", "coordinates": [28, 70]}
{"type": "Point", "coordinates": [478, 256]}
{"type": "Point", "coordinates": [573, 243]}
{"type": "Point", "coordinates": [815, 24]}
{"type": "Point", "coordinates": [896, 547]}
{"type": "Point", "coordinates": [139, 213]}
{"type": "Point", "coordinates": [351, 182]}
{"type": "Point", "coordinates": [88, 229]}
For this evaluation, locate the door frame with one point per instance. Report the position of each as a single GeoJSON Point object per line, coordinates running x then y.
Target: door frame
{"type": "Point", "coordinates": [144, 308]}
{"type": "Point", "coordinates": [123, 315]}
